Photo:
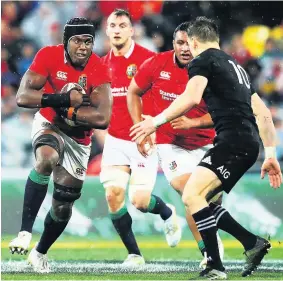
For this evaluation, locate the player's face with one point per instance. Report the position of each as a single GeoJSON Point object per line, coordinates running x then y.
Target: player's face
{"type": "Point", "coordinates": [181, 47]}
{"type": "Point", "coordinates": [80, 49]}
{"type": "Point", "coordinates": [119, 30]}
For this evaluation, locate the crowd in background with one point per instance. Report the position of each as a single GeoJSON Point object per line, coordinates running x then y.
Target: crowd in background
{"type": "Point", "coordinates": [256, 41]}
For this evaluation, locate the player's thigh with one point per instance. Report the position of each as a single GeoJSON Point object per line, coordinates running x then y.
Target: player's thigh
{"type": "Point", "coordinates": [230, 161]}
{"type": "Point", "coordinates": [143, 174]}
{"type": "Point", "coordinates": [201, 182]}
{"type": "Point", "coordinates": [45, 140]}
{"type": "Point", "coordinates": [115, 165]}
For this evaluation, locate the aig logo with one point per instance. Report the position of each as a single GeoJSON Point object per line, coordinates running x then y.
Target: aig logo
{"type": "Point", "coordinates": [61, 75]}
{"type": "Point", "coordinates": [165, 75]}
{"type": "Point", "coordinates": [224, 172]}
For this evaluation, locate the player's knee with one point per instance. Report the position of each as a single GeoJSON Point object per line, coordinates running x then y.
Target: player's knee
{"type": "Point", "coordinates": [46, 159]}
{"type": "Point", "coordinates": [140, 199]}
{"type": "Point", "coordinates": [62, 211]}
{"type": "Point", "coordinates": [115, 197]}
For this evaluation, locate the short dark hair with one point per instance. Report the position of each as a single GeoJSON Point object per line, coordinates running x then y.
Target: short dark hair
{"type": "Point", "coordinates": [181, 27]}
{"type": "Point", "coordinates": [206, 30]}
{"type": "Point", "coordinates": [121, 12]}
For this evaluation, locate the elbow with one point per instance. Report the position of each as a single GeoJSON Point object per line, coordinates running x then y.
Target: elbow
{"type": "Point", "coordinates": [101, 123]}
{"type": "Point", "coordinates": [21, 101]}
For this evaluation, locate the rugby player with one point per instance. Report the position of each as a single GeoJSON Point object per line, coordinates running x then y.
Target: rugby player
{"type": "Point", "coordinates": [121, 161]}
{"type": "Point", "coordinates": [179, 151]}
{"type": "Point", "coordinates": [233, 106]}
{"type": "Point", "coordinates": [59, 148]}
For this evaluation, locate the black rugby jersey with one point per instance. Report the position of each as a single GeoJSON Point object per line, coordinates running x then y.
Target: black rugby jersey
{"type": "Point", "coordinates": [227, 95]}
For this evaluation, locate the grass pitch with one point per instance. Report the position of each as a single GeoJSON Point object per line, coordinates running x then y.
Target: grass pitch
{"type": "Point", "coordinates": [85, 259]}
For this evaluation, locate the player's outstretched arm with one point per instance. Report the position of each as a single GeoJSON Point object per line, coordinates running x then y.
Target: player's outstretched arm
{"type": "Point", "coordinates": [134, 103]}
{"type": "Point", "coordinates": [183, 103]}
{"type": "Point", "coordinates": [268, 135]}
{"type": "Point", "coordinates": [31, 95]}
{"type": "Point", "coordinates": [98, 114]}
{"type": "Point", "coordinates": [185, 123]}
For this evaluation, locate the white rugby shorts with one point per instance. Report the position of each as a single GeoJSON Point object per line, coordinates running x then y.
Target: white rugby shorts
{"type": "Point", "coordinates": [75, 156]}
{"type": "Point", "coordinates": [119, 152]}
{"type": "Point", "coordinates": [176, 161]}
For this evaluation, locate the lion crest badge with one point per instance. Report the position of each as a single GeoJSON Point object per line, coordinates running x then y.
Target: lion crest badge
{"type": "Point", "coordinates": [131, 70]}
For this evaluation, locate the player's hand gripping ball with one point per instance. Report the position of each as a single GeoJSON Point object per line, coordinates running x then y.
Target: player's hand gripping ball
{"type": "Point", "coordinates": [66, 88]}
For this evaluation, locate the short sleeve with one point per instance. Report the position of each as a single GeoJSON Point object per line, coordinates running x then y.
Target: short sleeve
{"type": "Point", "coordinates": [101, 74]}
{"type": "Point", "coordinates": [41, 61]}
{"type": "Point", "coordinates": [144, 76]}
{"type": "Point", "coordinates": [201, 66]}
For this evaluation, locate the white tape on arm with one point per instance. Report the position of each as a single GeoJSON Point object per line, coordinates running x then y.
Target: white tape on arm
{"type": "Point", "coordinates": [270, 152]}
{"type": "Point", "coordinates": [159, 120]}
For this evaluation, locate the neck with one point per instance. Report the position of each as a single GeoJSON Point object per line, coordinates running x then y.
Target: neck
{"type": "Point", "coordinates": [121, 51]}
{"type": "Point", "coordinates": [206, 46]}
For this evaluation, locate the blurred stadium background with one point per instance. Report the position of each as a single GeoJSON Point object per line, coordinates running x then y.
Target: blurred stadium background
{"type": "Point", "coordinates": [252, 32]}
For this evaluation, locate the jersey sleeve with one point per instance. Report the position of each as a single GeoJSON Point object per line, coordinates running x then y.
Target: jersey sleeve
{"type": "Point", "coordinates": [253, 91]}
{"type": "Point", "coordinates": [144, 76]}
{"type": "Point", "coordinates": [41, 61]}
{"type": "Point", "coordinates": [200, 66]}
{"type": "Point", "coordinates": [101, 74]}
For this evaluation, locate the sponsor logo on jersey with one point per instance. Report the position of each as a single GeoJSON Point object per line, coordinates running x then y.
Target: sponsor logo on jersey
{"type": "Point", "coordinates": [131, 70]}
{"type": "Point", "coordinates": [223, 171]}
{"type": "Point", "coordinates": [165, 75]}
{"type": "Point", "coordinates": [173, 166]}
{"type": "Point", "coordinates": [168, 96]}
{"type": "Point", "coordinates": [119, 92]}
{"type": "Point", "coordinates": [207, 160]}
{"type": "Point", "coordinates": [83, 81]}
{"type": "Point", "coordinates": [61, 75]}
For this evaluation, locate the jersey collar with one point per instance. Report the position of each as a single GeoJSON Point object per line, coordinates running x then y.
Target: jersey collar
{"type": "Point", "coordinates": [128, 54]}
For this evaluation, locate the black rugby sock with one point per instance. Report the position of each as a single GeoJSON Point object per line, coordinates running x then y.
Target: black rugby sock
{"type": "Point", "coordinates": [207, 228]}
{"type": "Point", "coordinates": [35, 191]}
{"type": "Point", "coordinates": [52, 230]}
{"type": "Point", "coordinates": [157, 206]}
{"type": "Point", "coordinates": [122, 222]}
{"type": "Point", "coordinates": [226, 222]}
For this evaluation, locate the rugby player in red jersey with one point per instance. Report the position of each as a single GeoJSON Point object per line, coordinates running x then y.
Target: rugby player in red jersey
{"type": "Point", "coordinates": [59, 148]}
{"type": "Point", "coordinates": [121, 161]}
{"type": "Point", "coordinates": [179, 151]}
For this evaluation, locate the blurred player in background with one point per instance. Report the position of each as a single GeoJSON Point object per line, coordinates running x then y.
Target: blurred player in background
{"type": "Point", "coordinates": [121, 161]}
{"type": "Point", "coordinates": [58, 147]}
{"type": "Point", "coordinates": [179, 151]}
{"type": "Point", "coordinates": [233, 105]}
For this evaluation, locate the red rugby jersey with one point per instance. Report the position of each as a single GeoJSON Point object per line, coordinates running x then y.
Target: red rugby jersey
{"type": "Point", "coordinates": [122, 70]}
{"type": "Point", "coordinates": [50, 62]}
{"type": "Point", "coordinates": [167, 81]}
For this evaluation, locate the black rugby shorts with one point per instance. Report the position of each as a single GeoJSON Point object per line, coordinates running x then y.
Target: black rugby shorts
{"type": "Point", "coordinates": [230, 161]}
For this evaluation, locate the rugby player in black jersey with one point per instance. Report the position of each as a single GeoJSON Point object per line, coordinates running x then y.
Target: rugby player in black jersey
{"type": "Point", "coordinates": [240, 119]}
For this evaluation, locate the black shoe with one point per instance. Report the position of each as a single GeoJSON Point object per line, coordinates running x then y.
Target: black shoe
{"type": "Point", "coordinates": [214, 273]}
{"type": "Point", "coordinates": [255, 255]}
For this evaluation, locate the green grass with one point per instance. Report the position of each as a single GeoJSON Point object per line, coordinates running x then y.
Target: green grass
{"type": "Point", "coordinates": [77, 259]}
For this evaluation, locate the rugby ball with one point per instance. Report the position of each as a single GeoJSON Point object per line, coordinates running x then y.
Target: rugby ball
{"type": "Point", "coordinates": [65, 89]}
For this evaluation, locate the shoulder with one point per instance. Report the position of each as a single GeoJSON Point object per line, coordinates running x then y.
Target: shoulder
{"type": "Point", "coordinates": [141, 51]}
{"type": "Point", "coordinates": [52, 50]}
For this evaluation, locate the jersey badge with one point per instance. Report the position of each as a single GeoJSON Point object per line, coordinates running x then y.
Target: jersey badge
{"type": "Point", "coordinates": [131, 70]}
{"type": "Point", "coordinates": [173, 165]}
{"type": "Point", "coordinates": [83, 81]}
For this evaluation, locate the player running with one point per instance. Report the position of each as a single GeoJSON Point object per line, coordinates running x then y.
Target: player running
{"type": "Point", "coordinates": [226, 89]}
{"type": "Point", "coordinates": [121, 161]}
{"type": "Point", "coordinates": [59, 148]}
{"type": "Point", "coordinates": [179, 151]}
